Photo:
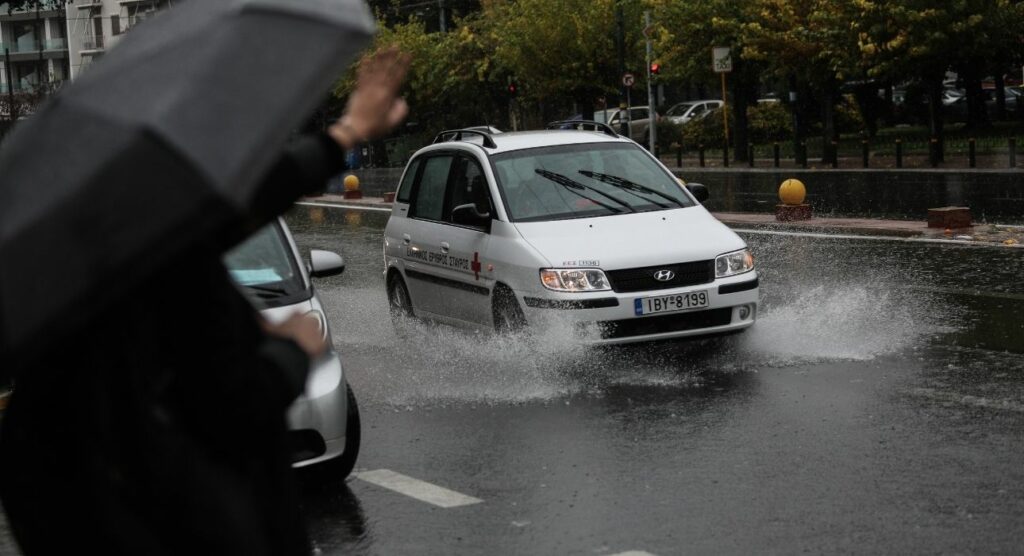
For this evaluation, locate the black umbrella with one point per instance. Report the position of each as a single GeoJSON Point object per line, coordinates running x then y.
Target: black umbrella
{"type": "Point", "coordinates": [155, 149]}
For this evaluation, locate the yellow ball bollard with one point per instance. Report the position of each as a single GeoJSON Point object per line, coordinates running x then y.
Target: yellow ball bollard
{"type": "Point", "coordinates": [792, 193]}
{"type": "Point", "coordinates": [352, 187]}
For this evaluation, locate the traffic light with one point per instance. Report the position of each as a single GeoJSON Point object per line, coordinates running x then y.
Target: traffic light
{"type": "Point", "coordinates": [655, 68]}
{"type": "Point", "coordinates": [513, 88]}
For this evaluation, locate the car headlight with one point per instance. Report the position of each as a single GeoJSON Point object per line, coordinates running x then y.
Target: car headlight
{"type": "Point", "coordinates": [574, 279]}
{"type": "Point", "coordinates": [321, 322]}
{"type": "Point", "coordinates": [734, 263]}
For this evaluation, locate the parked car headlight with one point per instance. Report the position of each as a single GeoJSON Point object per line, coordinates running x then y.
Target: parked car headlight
{"type": "Point", "coordinates": [734, 263]}
{"type": "Point", "coordinates": [574, 279]}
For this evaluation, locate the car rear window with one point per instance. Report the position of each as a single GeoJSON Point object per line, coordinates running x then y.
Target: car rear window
{"type": "Point", "coordinates": [429, 201]}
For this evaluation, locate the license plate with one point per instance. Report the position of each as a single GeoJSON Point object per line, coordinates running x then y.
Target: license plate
{"type": "Point", "coordinates": [670, 303]}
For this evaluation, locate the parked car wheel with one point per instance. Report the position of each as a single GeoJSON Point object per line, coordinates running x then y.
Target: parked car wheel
{"type": "Point", "coordinates": [341, 467]}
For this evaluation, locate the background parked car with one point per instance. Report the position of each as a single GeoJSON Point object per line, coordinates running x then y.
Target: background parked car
{"type": "Point", "coordinates": [640, 122]}
{"type": "Point", "coordinates": [691, 110]}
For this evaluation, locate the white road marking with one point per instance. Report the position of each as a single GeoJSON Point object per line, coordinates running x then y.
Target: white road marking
{"type": "Point", "coordinates": [633, 553]}
{"type": "Point", "coordinates": [340, 206]}
{"type": "Point", "coordinates": [415, 488]}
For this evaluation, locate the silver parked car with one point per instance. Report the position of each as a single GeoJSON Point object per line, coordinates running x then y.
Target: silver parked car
{"type": "Point", "coordinates": [324, 421]}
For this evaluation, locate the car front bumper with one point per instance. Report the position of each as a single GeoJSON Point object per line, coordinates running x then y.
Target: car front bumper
{"type": "Point", "coordinates": [317, 418]}
{"type": "Point", "coordinates": [610, 318]}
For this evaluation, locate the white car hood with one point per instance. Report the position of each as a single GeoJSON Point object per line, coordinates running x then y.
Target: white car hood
{"type": "Point", "coordinates": [632, 240]}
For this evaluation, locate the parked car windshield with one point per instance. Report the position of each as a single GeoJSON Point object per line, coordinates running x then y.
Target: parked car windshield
{"type": "Point", "coordinates": [581, 181]}
{"type": "Point", "coordinates": [680, 109]}
{"type": "Point", "coordinates": [265, 266]}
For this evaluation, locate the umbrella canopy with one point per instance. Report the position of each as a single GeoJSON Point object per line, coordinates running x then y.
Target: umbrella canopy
{"type": "Point", "coordinates": [156, 147]}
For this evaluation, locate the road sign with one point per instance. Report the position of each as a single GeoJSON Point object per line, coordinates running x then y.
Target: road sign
{"type": "Point", "coordinates": [721, 59]}
{"type": "Point", "coordinates": [628, 79]}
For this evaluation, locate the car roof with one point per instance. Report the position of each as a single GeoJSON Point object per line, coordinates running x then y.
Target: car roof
{"type": "Point", "coordinates": [519, 140]}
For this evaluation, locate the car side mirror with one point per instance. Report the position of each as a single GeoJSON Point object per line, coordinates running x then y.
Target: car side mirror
{"type": "Point", "coordinates": [699, 191]}
{"type": "Point", "coordinates": [325, 263]}
{"type": "Point", "coordinates": [468, 215]}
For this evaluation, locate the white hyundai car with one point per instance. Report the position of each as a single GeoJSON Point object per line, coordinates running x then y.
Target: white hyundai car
{"type": "Point", "coordinates": [581, 228]}
{"type": "Point", "coordinates": [324, 421]}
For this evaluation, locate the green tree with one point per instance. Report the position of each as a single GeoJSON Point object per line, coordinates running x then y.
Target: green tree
{"type": "Point", "coordinates": [687, 33]}
{"type": "Point", "coordinates": [813, 43]}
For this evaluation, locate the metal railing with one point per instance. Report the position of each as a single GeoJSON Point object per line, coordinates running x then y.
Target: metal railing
{"type": "Point", "coordinates": [93, 43]}
{"type": "Point", "coordinates": [23, 47]}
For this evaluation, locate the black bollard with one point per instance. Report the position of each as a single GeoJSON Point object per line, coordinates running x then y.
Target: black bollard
{"type": "Point", "coordinates": [775, 153]}
{"type": "Point", "coordinates": [750, 155]}
{"type": "Point", "coordinates": [899, 153]}
{"type": "Point", "coordinates": [933, 152]}
{"type": "Point", "coordinates": [835, 154]}
{"type": "Point", "coordinates": [1013, 152]}
{"type": "Point", "coordinates": [803, 154]}
{"type": "Point", "coordinates": [972, 160]}
{"type": "Point", "coordinates": [864, 152]}
{"type": "Point", "coordinates": [725, 155]}
{"type": "Point", "coordinates": [679, 156]}
{"type": "Point", "coordinates": [700, 153]}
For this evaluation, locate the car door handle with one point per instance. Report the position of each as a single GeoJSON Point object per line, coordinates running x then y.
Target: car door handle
{"type": "Point", "coordinates": [445, 247]}
{"type": "Point", "coordinates": [406, 239]}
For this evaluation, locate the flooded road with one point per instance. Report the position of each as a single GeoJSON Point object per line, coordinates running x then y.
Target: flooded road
{"type": "Point", "coordinates": [877, 405]}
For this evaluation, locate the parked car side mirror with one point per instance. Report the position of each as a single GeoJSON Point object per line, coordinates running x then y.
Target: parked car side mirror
{"type": "Point", "coordinates": [325, 263]}
{"type": "Point", "coordinates": [699, 191]}
{"type": "Point", "coordinates": [468, 215]}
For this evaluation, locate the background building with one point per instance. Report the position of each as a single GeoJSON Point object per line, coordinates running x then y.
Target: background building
{"type": "Point", "coordinates": [93, 26]}
{"type": "Point", "coordinates": [33, 47]}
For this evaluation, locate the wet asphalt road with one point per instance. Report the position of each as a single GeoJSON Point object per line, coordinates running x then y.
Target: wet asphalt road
{"type": "Point", "coordinates": [876, 407]}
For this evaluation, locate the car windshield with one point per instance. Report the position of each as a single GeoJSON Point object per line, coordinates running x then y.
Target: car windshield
{"type": "Point", "coordinates": [679, 109]}
{"type": "Point", "coordinates": [265, 266]}
{"type": "Point", "coordinates": [581, 181]}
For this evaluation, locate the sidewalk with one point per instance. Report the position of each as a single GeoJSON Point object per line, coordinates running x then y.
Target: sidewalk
{"type": "Point", "coordinates": [1010, 236]}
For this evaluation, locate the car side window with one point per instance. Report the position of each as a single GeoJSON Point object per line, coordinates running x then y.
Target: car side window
{"type": "Point", "coordinates": [405, 190]}
{"type": "Point", "coordinates": [640, 114]}
{"type": "Point", "coordinates": [428, 202]}
{"type": "Point", "coordinates": [468, 186]}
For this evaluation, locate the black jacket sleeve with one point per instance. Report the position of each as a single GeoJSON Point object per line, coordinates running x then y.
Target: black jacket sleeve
{"type": "Point", "coordinates": [304, 168]}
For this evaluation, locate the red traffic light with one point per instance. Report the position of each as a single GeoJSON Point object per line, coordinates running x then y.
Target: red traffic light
{"type": "Point", "coordinates": [655, 68]}
{"type": "Point", "coordinates": [513, 88]}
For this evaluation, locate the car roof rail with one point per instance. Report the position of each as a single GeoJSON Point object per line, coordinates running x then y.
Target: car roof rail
{"type": "Point", "coordinates": [456, 135]}
{"type": "Point", "coordinates": [598, 126]}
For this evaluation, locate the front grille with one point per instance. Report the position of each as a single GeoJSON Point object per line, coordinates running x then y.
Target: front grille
{"type": "Point", "coordinates": [627, 328]}
{"type": "Point", "coordinates": [642, 279]}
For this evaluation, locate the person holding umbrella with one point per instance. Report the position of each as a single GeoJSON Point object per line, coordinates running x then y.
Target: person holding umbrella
{"type": "Point", "coordinates": [148, 414]}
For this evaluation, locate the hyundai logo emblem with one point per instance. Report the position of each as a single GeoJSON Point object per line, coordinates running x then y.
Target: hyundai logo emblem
{"type": "Point", "coordinates": [664, 275]}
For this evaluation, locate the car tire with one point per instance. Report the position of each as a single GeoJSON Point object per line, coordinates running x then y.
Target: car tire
{"type": "Point", "coordinates": [508, 315]}
{"type": "Point", "coordinates": [340, 467]}
{"type": "Point", "coordinates": [399, 302]}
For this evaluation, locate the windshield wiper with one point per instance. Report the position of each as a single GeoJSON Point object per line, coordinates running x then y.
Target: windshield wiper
{"type": "Point", "coordinates": [632, 187]}
{"type": "Point", "coordinates": [576, 187]}
{"type": "Point", "coordinates": [267, 292]}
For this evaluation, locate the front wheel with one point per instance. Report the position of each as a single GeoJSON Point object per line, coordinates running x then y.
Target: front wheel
{"type": "Point", "coordinates": [508, 315]}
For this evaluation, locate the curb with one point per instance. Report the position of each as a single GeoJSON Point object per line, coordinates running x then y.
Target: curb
{"type": "Point", "coordinates": [980, 234]}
